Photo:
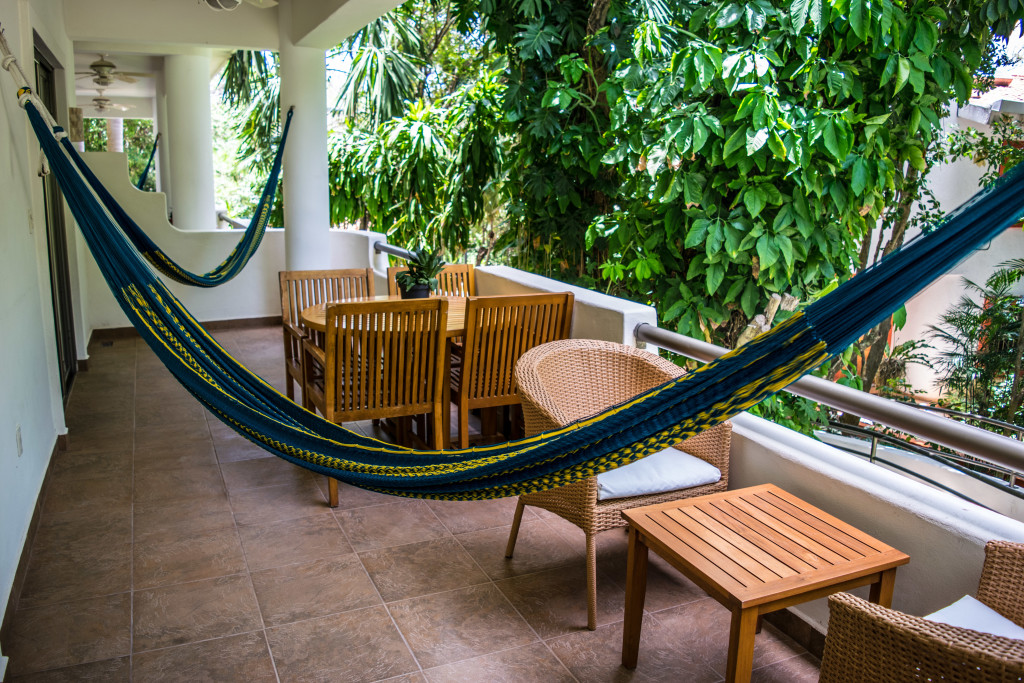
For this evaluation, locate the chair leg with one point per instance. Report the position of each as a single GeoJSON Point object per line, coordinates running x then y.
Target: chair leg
{"type": "Point", "coordinates": [332, 492]}
{"type": "Point", "coordinates": [591, 582]}
{"type": "Point", "coordinates": [437, 428]}
{"type": "Point", "coordinates": [513, 534]}
{"type": "Point", "coordinates": [289, 385]}
{"type": "Point", "coordinates": [463, 426]}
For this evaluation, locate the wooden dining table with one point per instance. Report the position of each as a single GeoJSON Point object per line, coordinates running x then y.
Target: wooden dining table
{"type": "Point", "coordinates": [315, 318]}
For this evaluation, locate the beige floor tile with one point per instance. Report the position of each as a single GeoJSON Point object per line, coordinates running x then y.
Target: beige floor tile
{"type": "Point", "coordinates": [313, 589]}
{"type": "Point", "coordinates": [528, 664]}
{"type": "Point", "coordinates": [444, 628]}
{"type": "Point", "coordinates": [190, 612]}
{"type": "Point", "coordinates": [355, 647]}
{"type": "Point", "coordinates": [69, 633]}
{"type": "Point", "coordinates": [107, 671]}
{"type": "Point", "coordinates": [277, 503]}
{"type": "Point", "coordinates": [292, 541]}
{"type": "Point", "coordinates": [244, 657]}
{"type": "Point", "coordinates": [162, 562]}
{"type": "Point", "coordinates": [554, 602]}
{"type": "Point", "coordinates": [414, 569]}
{"type": "Point", "coordinates": [382, 526]}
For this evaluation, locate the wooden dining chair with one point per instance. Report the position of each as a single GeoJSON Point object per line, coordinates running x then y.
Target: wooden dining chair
{"type": "Point", "coordinates": [456, 279]}
{"type": "Point", "coordinates": [500, 329]}
{"type": "Point", "coordinates": [303, 288]}
{"type": "Point", "coordinates": [381, 359]}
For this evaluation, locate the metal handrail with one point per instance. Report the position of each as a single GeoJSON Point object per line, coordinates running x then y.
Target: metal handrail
{"type": "Point", "coordinates": [223, 215]}
{"type": "Point", "coordinates": [385, 248]}
{"type": "Point", "coordinates": [1008, 426]}
{"type": "Point", "coordinates": [973, 441]}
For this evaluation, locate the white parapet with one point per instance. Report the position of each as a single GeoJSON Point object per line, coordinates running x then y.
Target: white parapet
{"type": "Point", "coordinates": [595, 315]}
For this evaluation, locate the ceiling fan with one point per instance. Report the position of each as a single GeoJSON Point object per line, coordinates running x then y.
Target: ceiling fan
{"type": "Point", "coordinates": [104, 105]}
{"type": "Point", "coordinates": [104, 72]}
{"type": "Point", "coordinates": [228, 5]}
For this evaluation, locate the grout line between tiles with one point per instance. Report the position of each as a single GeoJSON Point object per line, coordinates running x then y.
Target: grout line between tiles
{"type": "Point", "coordinates": [376, 590]}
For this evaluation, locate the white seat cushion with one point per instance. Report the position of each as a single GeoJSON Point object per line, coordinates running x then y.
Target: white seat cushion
{"type": "Point", "coordinates": [968, 612]}
{"type": "Point", "coordinates": [666, 470]}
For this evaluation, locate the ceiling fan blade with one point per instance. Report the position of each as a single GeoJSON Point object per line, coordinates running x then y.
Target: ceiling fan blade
{"type": "Point", "coordinates": [125, 77]}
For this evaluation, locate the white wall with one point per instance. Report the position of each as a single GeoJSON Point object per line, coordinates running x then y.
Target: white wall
{"type": "Point", "coordinates": [953, 184]}
{"type": "Point", "coordinates": [29, 390]}
{"type": "Point", "coordinates": [254, 293]}
{"type": "Point", "coordinates": [594, 316]}
{"type": "Point", "coordinates": [944, 536]}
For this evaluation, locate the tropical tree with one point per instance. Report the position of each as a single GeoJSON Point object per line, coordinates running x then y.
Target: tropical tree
{"type": "Point", "coordinates": [425, 176]}
{"type": "Point", "coordinates": [705, 155]}
{"type": "Point", "coordinates": [981, 343]}
{"type": "Point", "coordinates": [138, 142]}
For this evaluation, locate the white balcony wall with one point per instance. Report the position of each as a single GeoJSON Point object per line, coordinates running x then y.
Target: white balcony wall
{"type": "Point", "coordinates": [944, 535]}
{"type": "Point", "coordinates": [30, 396]}
{"type": "Point", "coordinates": [594, 316]}
{"type": "Point", "coordinates": [254, 293]}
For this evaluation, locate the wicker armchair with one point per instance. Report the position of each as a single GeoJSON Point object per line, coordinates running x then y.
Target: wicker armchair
{"type": "Point", "coordinates": [869, 643]}
{"type": "Point", "coordinates": [564, 381]}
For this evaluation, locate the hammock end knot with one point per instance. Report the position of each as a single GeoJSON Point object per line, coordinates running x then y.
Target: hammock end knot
{"type": "Point", "coordinates": [6, 63]}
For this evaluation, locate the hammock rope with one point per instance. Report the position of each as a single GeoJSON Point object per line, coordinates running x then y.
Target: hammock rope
{"type": "Point", "coordinates": [647, 423]}
{"type": "Point", "coordinates": [149, 164]}
{"type": "Point", "coordinates": [235, 261]}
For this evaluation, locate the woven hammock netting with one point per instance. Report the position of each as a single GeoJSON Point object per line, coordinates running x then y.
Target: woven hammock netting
{"type": "Point", "coordinates": [645, 424]}
{"type": "Point", "coordinates": [235, 261]}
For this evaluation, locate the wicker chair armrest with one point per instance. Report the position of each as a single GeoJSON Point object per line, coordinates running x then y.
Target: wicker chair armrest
{"type": "Point", "coordinates": [712, 446]}
{"type": "Point", "coordinates": [1002, 579]}
{"type": "Point", "coordinates": [870, 643]}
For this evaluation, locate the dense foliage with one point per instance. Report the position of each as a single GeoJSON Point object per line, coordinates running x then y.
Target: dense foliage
{"type": "Point", "coordinates": [138, 143]}
{"type": "Point", "coordinates": [981, 339]}
{"type": "Point", "coordinates": [703, 155]}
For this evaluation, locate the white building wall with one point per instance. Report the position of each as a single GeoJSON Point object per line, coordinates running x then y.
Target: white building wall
{"type": "Point", "coordinates": [30, 395]}
{"type": "Point", "coordinates": [953, 184]}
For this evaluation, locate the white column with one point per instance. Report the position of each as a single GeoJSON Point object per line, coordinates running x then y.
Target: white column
{"type": "Point", "coordinates": [307, 216]}
{"type": "Point", "coordinates": [190, 130]}
{"type": "Point", "coordinates": [115, 135]}
{"type": "Point", "coordinates": [163, 152]}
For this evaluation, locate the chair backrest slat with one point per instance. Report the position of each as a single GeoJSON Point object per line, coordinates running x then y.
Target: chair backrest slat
{"type": "Point", "coordinates": [387, 356]}
{"type": "Point", "coordinates": [304, 288]}
{"type": "Point", "coordinates": [499, 330]}
{"type": "Point", "coordinates": [457, 279]}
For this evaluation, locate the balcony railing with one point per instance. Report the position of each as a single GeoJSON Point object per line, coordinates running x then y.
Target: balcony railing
{"type": "Point", "coordinates": [973, 441]}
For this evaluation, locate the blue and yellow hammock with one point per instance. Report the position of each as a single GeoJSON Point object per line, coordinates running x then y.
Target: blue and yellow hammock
{"type": "Point", "coordinates": [623, 434]}
{"type": "Point", "coordinates": [141, 182]}
{"type": "Point", "coordinates": [235, 261]}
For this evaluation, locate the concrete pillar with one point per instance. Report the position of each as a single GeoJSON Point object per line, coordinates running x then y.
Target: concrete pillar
{"type": "Point", "coordinates": [190, 129]}
{"type": "Point", "coordinates": [115, 135]}
{"type": "Point", "coordinates": [163, 152]}
{"type": "Point", "coordinates": [76, 128]}
{"type": "Point", "coordinates": [307, 216]}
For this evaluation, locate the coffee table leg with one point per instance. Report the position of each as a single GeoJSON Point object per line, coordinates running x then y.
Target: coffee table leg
{"type": "Point", "coordinates": [881, 590]}
{"type": "Point", "coordinates": [741, 645]}
{"type": "Point", "coordinates": [636, 588]}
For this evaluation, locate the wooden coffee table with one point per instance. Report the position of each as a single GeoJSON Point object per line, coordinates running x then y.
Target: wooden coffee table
{"type": "Point", "coordinates": [755, 550]}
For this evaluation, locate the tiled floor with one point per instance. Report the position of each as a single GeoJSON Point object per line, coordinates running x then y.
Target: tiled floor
{"type": "Point", "coordinates": [171, 549]}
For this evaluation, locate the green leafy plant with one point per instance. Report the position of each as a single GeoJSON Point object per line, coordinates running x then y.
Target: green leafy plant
{"type": "Point", "coordinates": [424, 266]}
{"type": "Point", "coordinates": [982, 344]}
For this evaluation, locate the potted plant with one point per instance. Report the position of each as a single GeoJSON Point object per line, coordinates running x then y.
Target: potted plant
{"type": "Point", "coordinates": [421, 278]}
